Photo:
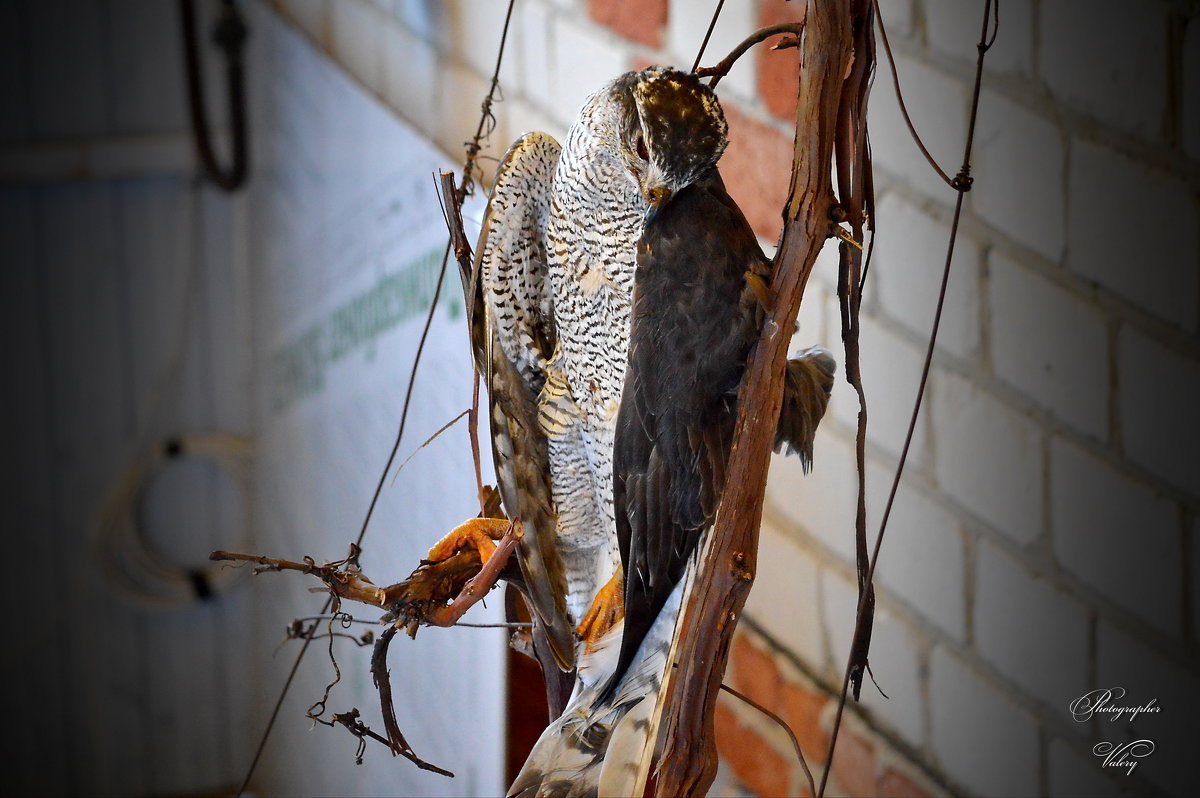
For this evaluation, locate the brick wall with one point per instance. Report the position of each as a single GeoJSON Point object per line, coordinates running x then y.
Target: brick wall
{"type": "Point", "coordinates": [1043, 540]}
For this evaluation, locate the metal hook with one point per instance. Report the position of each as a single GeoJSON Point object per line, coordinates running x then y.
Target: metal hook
{"type": "Point", "coordinates": [229, 34]}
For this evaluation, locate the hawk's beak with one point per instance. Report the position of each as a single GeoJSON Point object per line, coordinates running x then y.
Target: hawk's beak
{"type": "Point", "coordinates": [657, 198]}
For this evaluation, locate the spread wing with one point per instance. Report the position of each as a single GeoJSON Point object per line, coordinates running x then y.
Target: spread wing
{"type": "Point", "coordinates": [693, 324]}
{"type": "Point", "coordinates": [515, 295]}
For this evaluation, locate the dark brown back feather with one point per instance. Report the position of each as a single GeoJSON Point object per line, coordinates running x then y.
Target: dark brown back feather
{"type": "Point", "coordinates": [693, 324]}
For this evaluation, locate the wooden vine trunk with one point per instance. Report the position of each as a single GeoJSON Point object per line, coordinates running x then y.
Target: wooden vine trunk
{"type": "Point", "coordinates": [688, 759]}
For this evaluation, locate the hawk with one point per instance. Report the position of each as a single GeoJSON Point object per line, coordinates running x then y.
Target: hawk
{"type": "Point", "coordinates": [640, 409]}
{"type": "Point", "coordinates": [556, 259]}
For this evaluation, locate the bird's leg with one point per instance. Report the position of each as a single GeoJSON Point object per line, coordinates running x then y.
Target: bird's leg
{"type": "Point", "coordinates": [607, 608]}
{"type": "Point", "coordinates": [762, 291]}
{"type": "Point", "coordinates": [479, 534]}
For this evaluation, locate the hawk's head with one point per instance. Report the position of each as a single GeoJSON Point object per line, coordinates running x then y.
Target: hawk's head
{"type": "Point", "coordinates": [671, 131]}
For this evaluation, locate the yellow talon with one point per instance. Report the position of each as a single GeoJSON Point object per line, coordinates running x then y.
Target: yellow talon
{"type": "Point", "coordinates": [478, 533]}
{"type": "Point", "coordinates": [607, 608]}
{"type": "Point", "coordinates": [762, 291]}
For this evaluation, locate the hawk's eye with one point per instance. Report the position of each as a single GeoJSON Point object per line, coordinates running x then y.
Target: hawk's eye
{"type": "Point", "coordinates": [642, 152]}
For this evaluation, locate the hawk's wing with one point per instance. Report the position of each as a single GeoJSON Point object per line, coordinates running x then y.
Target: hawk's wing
{"type": "Point", "coordinates": [520, 337]}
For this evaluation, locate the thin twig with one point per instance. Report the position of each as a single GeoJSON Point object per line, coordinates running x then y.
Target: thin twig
{"type": "Point", "coordinates": [722, 67]}
{"type": "Point", "coordinates": [712, 24]}
{"type": "Point", "coordinates": [887, 47]}
{"type": "Point", "coordinates": [351, 619]}
{"type": "Point", "coordinates": [313, 712]}
{"type": "Point", "coordinates": [360, 730]}
{"type": "Point", "coordinates": [812, 790]}
{"type": "Point", "coordinates": [430, 440]}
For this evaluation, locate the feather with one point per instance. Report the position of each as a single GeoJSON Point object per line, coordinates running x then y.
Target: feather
{"type": "Point", "coordinates": [807, 385]}
{"type": "Point", "coordinates": [512, 266]}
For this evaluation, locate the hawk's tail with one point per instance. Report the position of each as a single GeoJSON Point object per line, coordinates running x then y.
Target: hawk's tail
{"type": "Point", "coordinates": [599, 748]}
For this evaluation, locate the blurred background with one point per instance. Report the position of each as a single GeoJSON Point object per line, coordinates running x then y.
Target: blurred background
{"type": "Point", "coordinates": [1044, 540]}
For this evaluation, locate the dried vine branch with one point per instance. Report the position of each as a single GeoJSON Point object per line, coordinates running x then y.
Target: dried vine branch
{"type": "Point", "coordinates": [722, 582]}
{"type": "Point", "coordinates": [961, 183]}
{"type": "Point", "coordinates": [722, 67]}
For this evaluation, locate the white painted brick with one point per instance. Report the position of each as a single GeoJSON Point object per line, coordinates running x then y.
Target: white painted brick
{"type": "Point", "coordinates": [893, 656]}
{"type": "Point", "coordinates": [821, 502]}
{"type": "Point", "coordinates": [826, 268]}
{"type": "Point", "coordinates": [1157, 269]}
{"type": "Point", "coordinates": [1191, 90]}
{"type": "Point", "coordinates": [810, 322]}
{"type": "Point", "coordinates": [952, 28]}
{"type": "Point", "coordinates": [937, 105]}
{"type": "Point", "coordinates": [1125, 662]}
{"type": "Point", "coordinates": [475, 27]}
{"type": "Point", "coordinates": [1107, 58]}
{"type": "Point", "coordinates": [910, 255]}
{"type": "Point", "coordinates": [891, 372]}
{"type": "Point", "coordinates": [921, 560]}
{"type": "Point", "coordinates": [898, 18]}
{"type": "Point", "coordinates": [1049, 345]}
{"type": "Point", "coordinates": [584, 60]}
{"type": "Point", "coordinates": [784, 600]}
{"type": "Point", "coordinates": [537, 59]}
{"type": "Point", "coordinates": [1094, 514]}
{"type": "Point", "coordinates": [988, 457]}
{"type": "Point", "coordinates": [311, 15]}
{"type": "Point", "coordinates": [412, 77]}
{"type": "Point", "coordinates": [687, 21]}
{"type": "Point", "coordinates": [1073, 774]}
{"type": "Point", "coordinates": [1018, 169]}
{"type": "Point", "coordinates": [426, 19]}
{"type": "Point", "coordinates": [1160, 428]}
{"type": "Point", "coordinates": [980, 739]}
{"type": "Point", "coordinates": [355, 28]}
{"type": "Point", "coordinates": [521, 117]}
{"type": "Point", "coordinates": [1029, 631]}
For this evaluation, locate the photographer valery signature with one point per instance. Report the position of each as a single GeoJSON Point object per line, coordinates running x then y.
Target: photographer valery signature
{"type": "Point", "coordinates": [1124, 755]}
{"type": "Point", "coordinates": [1104, 704]}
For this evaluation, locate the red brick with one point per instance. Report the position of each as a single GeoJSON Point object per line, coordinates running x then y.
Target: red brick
{"type": "Point", "coordinates": [639, 20]}
{"type": "Point", "coordinates": [754, 672]}
{"type": "Point", "coordinates": [801, 708]}
{"type": "Point", "coordinates": [779, 70]}
{"type": "Point", "coordinates": [759, 767]}
{"type": "Point", "coordinates": [854, 763]}
{"type": "Point", "coordinates": [757, 168]}
{"type": "Point", "coordinates": [894, 784]}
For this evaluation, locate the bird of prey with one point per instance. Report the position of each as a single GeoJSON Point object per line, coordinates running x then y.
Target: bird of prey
{"type": "Point", "coordinates": [557, 256]}
{"type": "Point", "coordinates": [701, 282]}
